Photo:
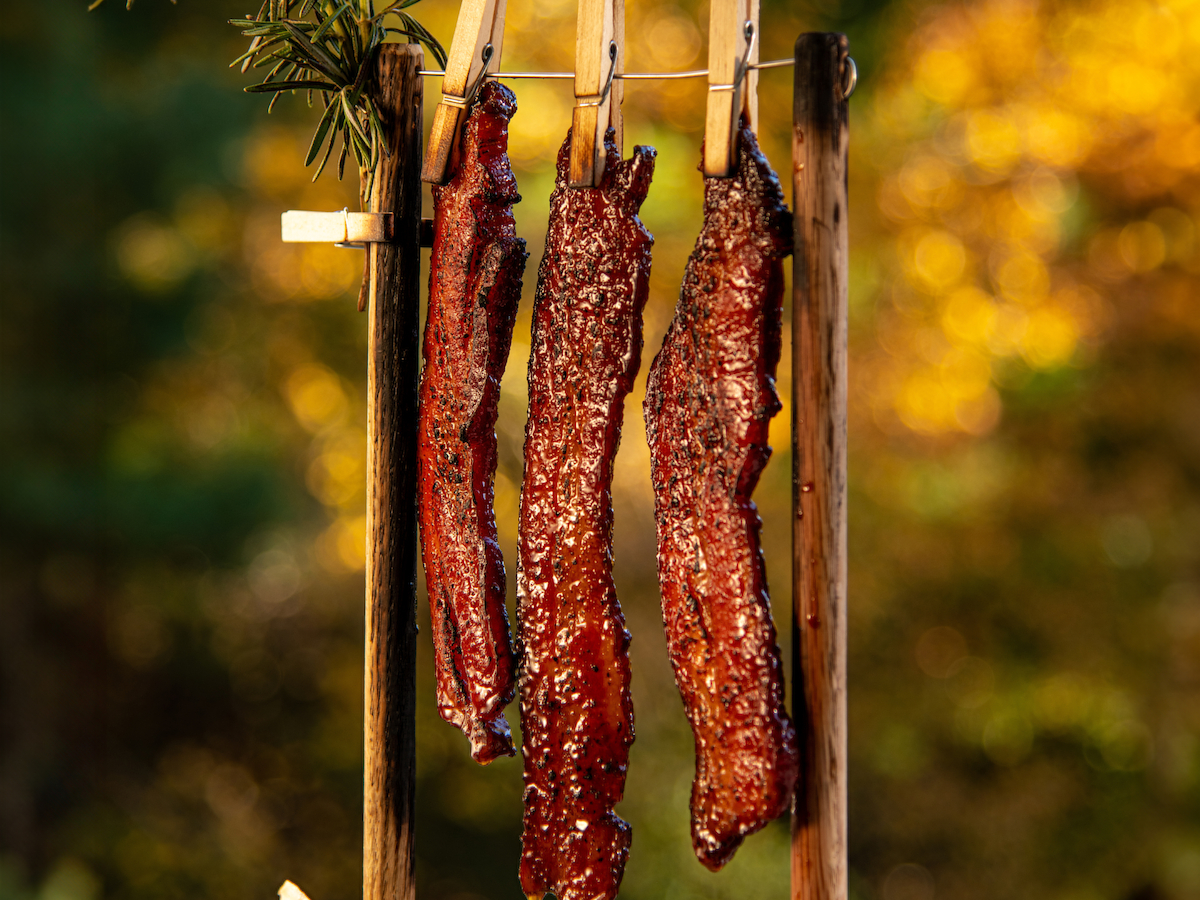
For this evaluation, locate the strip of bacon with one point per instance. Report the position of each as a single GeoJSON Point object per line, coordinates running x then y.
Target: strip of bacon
{"type": "Point", "coordinates": [576, 711]}
{"type": "Point", "coordinates": [709, 400]}
{"type": "Point", "coordinates": [474, 288]}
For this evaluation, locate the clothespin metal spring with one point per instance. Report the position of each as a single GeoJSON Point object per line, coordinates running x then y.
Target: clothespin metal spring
{"type": "Point", "coordinates": [599, 99]}
{"type": "Point", "coordinates": [473, 89]}
{"type": "Point", "coordinates": [743, 67]}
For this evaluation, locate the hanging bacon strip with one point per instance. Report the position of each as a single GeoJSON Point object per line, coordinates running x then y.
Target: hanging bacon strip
{"type": "Point", "coordinates": [576, 711]}
{"type": "Point", "coordinates": [709, 400]}
{"type": "Point", "coordinates": [474, 288]}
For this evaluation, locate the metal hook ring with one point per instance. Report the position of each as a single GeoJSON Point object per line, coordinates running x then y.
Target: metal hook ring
{"type": "Point", "coordinates": [850, 78]}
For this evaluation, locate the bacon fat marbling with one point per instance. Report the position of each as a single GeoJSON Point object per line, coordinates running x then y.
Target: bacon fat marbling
{"type": "Point", "coordinates": [709, 400]}
{"type": "Point", "coordinates": [474, 287]}
{"type": "Point", "coordinates": [576, 710]}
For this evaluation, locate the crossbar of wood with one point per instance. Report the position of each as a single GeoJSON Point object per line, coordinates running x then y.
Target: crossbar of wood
{"type": "Point", "coordinates": [732, 81]}
{"type": "Point", "coordinates": [819, 397]}
{"type": "Point", "coordinates": [306, 226]}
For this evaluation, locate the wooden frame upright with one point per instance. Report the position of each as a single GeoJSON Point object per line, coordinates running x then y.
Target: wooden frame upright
{"type": "Point", "coordinates": [819, 400]}
{"type": "Point", "coordinates": [389, 726]}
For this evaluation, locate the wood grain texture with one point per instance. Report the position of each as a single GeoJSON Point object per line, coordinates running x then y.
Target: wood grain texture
{"type": "Point", "coordinates": [821, 130]}
{"type": "Point", "coordinates": [723, 108]}
{"type": "Point", "coordinates": [391, 627]}
{"type": "Point", "coordinates": [598, 24]}
{"type": "Point", "coordinates": [480, 22]}
{"type": "Point", "coordinates": [441, 143]}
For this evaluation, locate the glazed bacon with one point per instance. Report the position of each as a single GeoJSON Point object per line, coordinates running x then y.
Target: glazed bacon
{"type": "Point", "coordinates": [474, 287]}
{"type": "Point", "coordinates": [576, 711]}
{"type": "Point", "coordinates": [709, 400]}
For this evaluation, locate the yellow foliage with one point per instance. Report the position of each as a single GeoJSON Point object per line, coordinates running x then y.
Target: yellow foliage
{"type": "Point", "coordinates": [993, 140]}
{"type": "Point", "coordinates": [969, 316]}
{"type": "Point", "coordinates": [938, 260]}
{"type": "Point", "coordinates": [1049, 339]}
{"type": "Point", "coordinates": [945, 76]}
{"type": "Point", "coordinates": [337, 474]}
{"type": "Point", "coordinates": [1142, 245]}
{"type": "Point", "coordinates": [316, 397]}
{"type": "Point", "coordinates": [342, 547]}
{"type": "Point", "coordinates": [1013, 116]}
{"type": "Point", "coordinates": [152, 254]}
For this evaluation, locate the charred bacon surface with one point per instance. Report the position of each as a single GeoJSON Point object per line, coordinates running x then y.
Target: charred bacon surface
{"type": "Point", "coordinates": [475, 285]}
{"type": "Point", "coordinates": [709, 401]}
{"type": "Point", "coordinates": [576, 710]}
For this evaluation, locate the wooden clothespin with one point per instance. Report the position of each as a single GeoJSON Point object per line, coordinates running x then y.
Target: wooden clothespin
{"type": "Point", "coordinates": [475, 51]}
{"type": "Point", "coordinates": [732, 83]}
{"type": "Point", "coordinates": [599, 57]}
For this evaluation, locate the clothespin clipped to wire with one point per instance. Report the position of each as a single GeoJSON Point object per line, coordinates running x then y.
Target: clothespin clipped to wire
{"type": "Point", "coordinates": [474, 52]}
{"type": "Point", "coordinates": [732, 81]}
{"type": "Point", "coordinates": [599, 58]}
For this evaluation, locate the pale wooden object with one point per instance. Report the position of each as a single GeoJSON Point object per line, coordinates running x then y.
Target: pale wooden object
{"type": "Point", "coordinates": [391, 577]}
{"type": "Point", "coordinates": [599, 23]}
{"type": "Point", "coordinates": [727, 98]}
{"type": "Point", "coordinates": [819, 864]}
{"type": "Point", "coordinates": [289, 891]}
{"type": "Point", "coordinates": [302, 226]}
{"type": "Point", "coordinates": [480, 22]}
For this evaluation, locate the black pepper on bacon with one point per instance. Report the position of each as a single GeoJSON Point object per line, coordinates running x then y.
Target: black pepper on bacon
{"type": "Point", "coordinates": [474, 288]}
{"type": "Point", "coordinates": [709, 401]}
{"type": "Point", "coordinates": [576, 710]}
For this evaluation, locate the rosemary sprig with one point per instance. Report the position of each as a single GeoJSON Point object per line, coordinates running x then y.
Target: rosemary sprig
{"type": "Point", "coordinates": [327, 47]}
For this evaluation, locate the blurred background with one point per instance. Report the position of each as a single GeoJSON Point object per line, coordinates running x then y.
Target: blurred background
{"type": "Point", "coordinates": [182, 441]}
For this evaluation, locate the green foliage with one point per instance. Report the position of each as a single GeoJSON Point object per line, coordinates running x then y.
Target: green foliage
{"type": "Point", "coordinates": [330, 55]}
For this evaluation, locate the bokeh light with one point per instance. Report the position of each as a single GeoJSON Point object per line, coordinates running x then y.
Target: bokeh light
{"type": "Point", "coordinates": [184, 436]}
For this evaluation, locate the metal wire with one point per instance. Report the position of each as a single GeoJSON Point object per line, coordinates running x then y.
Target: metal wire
{"type": "Point", "coordinates": [627, 76]}
{"type": "Point", "coordinates": [599, 99]}
{"type": "Point", "coordinates": [743, 66]}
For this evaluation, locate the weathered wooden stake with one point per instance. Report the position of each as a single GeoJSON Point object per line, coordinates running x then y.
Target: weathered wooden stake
{"type": "Point", "coordinates": [819, 312]}
{"type": "Point", "coordinates": [391, 622]}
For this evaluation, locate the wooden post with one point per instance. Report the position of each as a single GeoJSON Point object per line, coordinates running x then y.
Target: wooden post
{"type": "Point", "coordinates": [391, 621]}
{"type": "Point", "coordinates": [819, 143]}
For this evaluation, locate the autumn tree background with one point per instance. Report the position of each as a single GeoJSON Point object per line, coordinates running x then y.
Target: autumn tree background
{"type": "Point", "coordinates": [181, 462]}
